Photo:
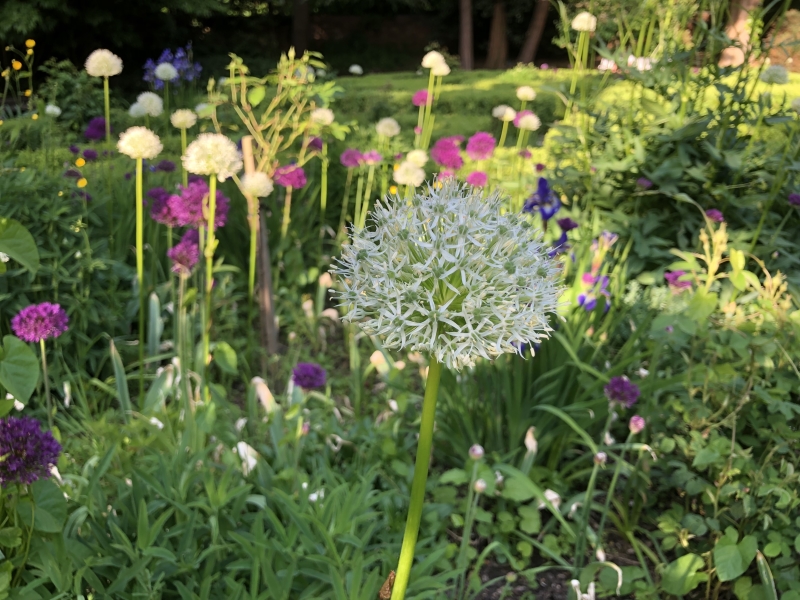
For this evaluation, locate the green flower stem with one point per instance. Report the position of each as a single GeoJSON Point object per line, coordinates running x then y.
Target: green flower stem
{"type": "Point", "coordinates": [287, 213]}
{"type": "Point", "coordinates": [323, 194]}
{"type": "Point", "coordinates": [48, 399]}
{"type": "Point", "coordinates": [503, 134]}
{"type": "Point", "coordinates": [610, 492]}
{"type": "Point", "coordinates": [367, 194]}
{"type": "Point", "coordinates": [420, 478]}
{"type": "Point", "coordinates": [426, 123]}
{"type": "Point", "coordinates": [184, 173]}
{"type": "Point", "coordinates": [140, 271]}
{"type": "Point", "coordinates": [251, 275]}
{"type": "Point", "coordinates": [209, 254]}
{"type": "Point", "coordinates": [420, 122]}
{"type": "Point", "coordinates": [345, 200]}
{"type": "Point", "coordinates": [580, 546]}
{"type": "Point", "coordinates": [108, 110]}
{"type": "Point", "coordinates": [359, 187]}
{"type": "Point", "coordinates": [166, 98]}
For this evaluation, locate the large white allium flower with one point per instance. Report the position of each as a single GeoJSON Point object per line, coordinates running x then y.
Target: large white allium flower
{"type": "Point", "coordinates": [166, 71]}
{"type": "Point", "coordinates": [321, 116]}
{"type": "Point", "coordinates": [387, 127]}
{"type": "Point", "coordinates": [408, 173]}
{"type": "Point", "coordinates": [417, 157]}
{"type": "Point", "coordinates": [584, 21]}
{"type": "Point", "coordinates": [103, 63]}
{"type": "Point", "coordinates": [530, 122]}
{"type": "Point", "coordinates": [212, 154]}
{"type": "Point", "coordinates": [440, 70]}
{"type": "Point", "coordinates": [139, 142]}
{"type": "Point", "coordinates": [151, 102]}
{"type": "Point", "coordinates": [356, 70]}
{"type": "Point", "coordinates": [52, 110]}
{"type": "Point", "coordinates": [775, 74]}
{"type": "Point", "coordinates": [431, 59]}
{"type": "Point", "coordinates": [796, 105]}
{"type": "Point", "coordinates": [504, 113]}
{"type": "Point", "coordinates": [183, 118]}
{"type": "Point", "coordinates": [448, 274]}
{"type": "Point", "coordinates": [526, 93]}
{"type": "Point", "coordinates": [137, 111]}
{"type": "Point", "coordinates": [257, 184]}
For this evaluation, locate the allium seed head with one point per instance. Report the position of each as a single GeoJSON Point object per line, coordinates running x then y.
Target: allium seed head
{"type": "Point", "coordinates": [103, 63]}
{"type": "Point", "coordinates": [257, 184]}
{"type": "Point", "coordinates": [183, 118]}
{"type": "Point", "coordinates": [166, 72]}
{"type": "Point", "coordinates": [212, 154]}
{"type": "Point", "coordinates": [526, 93]}
{"type": "Point", "coordinates": [139, 142]}
{"type": "Point", "coordinates": [387, 127]}
{"type": "Point", "coordinates": [151, 102]}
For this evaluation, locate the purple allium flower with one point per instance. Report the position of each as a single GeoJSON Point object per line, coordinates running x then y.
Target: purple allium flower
{"type": "Point", "coordinates": [290, 176]}
{"type": "Point", "coordinates": [350, 158]}
{"type": "Point", "coordinates": [372, 157]}
{"type": "Point", "coordinates": [544, 200]}
{"type": "Point", "coordinates": [128, 175]}
{"type": "Point", "coordinates": [160, 209]}
{"type": "Point", "coordinates": [188, 208]}
{"type": "Point", "coordinates": [166, 166]}
{"type": "Point", "coordinates": [675, 282]}
{"type": "Point", "coordinates": [309, 376]}
{"type": "Point", "coordinates": [481, 146]}
{"type": "Point", "coordinates": [186, 253]}
{"type": "Point", "coordinates": [622, 391]}
{"type": "Point", "coordinates": [74, 173]}
{"type": "Point", "coordinates": [96, 129]}
{"type": "Point", "coordinates": [644, 183]}
{"type": "Point", "coordinates": [90, 154]}
{"type": "Point", "coordinates": [636, 424]}
{"type": "Point", "coordinates": [420, 98]}
{"type": "Point", "coordinates": [40, 322]}
{"type": "Point", "coordinates": [540, 167]}
{"type": "Point", "coordinates": [445, 174]}
{"type": "Point", "coordinates": [567, 224]}
{"type": "Point", "coordinates": [794, 199]}
{"type": "Point", "coordinates": [28, 452]}
{"type": "Point", "coordinates": [74, 149]}
{"type": "Point", "coordinates": [315, 143]}
{"type": "Point", "coordinates": [525, 153]}
{"type": "Point", "coordinates": [594, 286]}
{"type": "Point", "coordinates": [477, 179]}
{"type": "Point", "coordinates": [715, 215]}
{"type": "Point", "coordinates": [445, 152]}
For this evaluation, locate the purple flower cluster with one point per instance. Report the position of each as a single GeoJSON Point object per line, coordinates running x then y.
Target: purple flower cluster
{"type": "Point", "coordinates": [189, 207]}
{"type": "Point", "coordinates": [477, 179]}
{"type": "Point", "coordinates": [40, 322]}
{"type": "Point", "coordinates": [96, 129]}
{"type": "Point", "coordinates": [644, 183]}
{"type": "Point", "coordinates": [315, 143]}
{"type": "Point", "coordinates": [676, 284]}
{"type": "Point", "coordinates": [350, 158]}
{"type": "Point", "coordinates": [446, 152]}
{"type": "Point", "coordinates": [420, 98]}
{"type": "Point", "coordinates": [309, 376]}
{"type": "Point", "coordinates": [89, 155]}
{"type": "Point", "coordinates": [160, 209]}
{"type": "Point", "coordinates": [715, 215]}
{"type": "Point", "coordinates": [481, 146]}
{"type": "Point", "coordinates": [186, 253]}
{"type": "Point", "coordinates": [621, 390]}
{"type": "Point", "coordinates": [290, 176]}
{"type": "Point", "coordinates": [794, 199]}
{"type": "Point", "coordinates": [165, 166]}
{"type": "Point", "coordinates": [28, 452]}
{"type": "Point", "coordinates": [188, 70]}
{"type": "Point", "coordinates": [371, 157]}
{"type": "Point", "coordinates": [544, 199]}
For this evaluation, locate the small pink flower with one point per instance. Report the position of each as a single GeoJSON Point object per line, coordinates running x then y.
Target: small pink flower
{"type": "Point", "coordinates": [420, 98]}
{"type": "Point", "coordinates": [636, 424]}
{"type": "Point", "coordinates": [481, 146]}
{"type": "Point", "coordinates": [417, 130]}
{"type": "Point", "coordinates": [477, 179]}
{"type": "Point", "coordinates": [290, 176]}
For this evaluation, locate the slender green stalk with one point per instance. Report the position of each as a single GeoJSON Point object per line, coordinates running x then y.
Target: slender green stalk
{"type": "Point", "coordinates": [48, 399]}
{"type": "Point", "coordinates": [166, 97]}
{"type": "Point", "coordinates": [323, 194]}
{"type": "Point", "coordinates": [580, 546]}
{"type": "Point", "coordinates": [209, 254]}
{"type": "Point", "coordinates": [420, 123]}
{"type": "Point", "coordinates": [184, 172]}
{"type": "Point", "coordinates": [420, 478]}
{"type": "Point", "coordinates": [367, 194]}
{"type": "Point", "coordinates": [503, 133]}
{"type": "Point", "coordinates": [287, 213]}
{"type": "Point", "coordinates": [426, 124]}
{"type": "Point", "coordinates": [140, 271]}
{"type": "Point", "coordinates": [346, 199]}
{"type": "Point", "coordinates": [251, 275]}
{"type": "Point", "coordinates": [359, 187]}
{"type": "Point", "coordinates": [610, 493]}
{"type": "Point", "coordinates": [108, 110]}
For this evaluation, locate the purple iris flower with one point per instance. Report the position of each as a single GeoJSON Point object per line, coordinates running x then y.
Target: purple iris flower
{"type": "Point", "coordinates": [544, 199]}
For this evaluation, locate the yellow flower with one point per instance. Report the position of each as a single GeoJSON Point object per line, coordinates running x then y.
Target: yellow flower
{"type": "Point", "coordinates": [28, 93]}
{"type": "Point", "coordinates": [80, 162]}
{"type": "Point", "coordinates": [22, 170]}
{"type": "Point", "coordinates": [29, 52]}
{"type": "Point", "coordinates": [16, 65]}
{"type": "Point", "coordinates": [4, 73]}
{"type": "Point", "coordinates": [35, 116]}
{"type": "Point", "coordinates": [396, 166]}
{"type": "Point", "coordinates": [82, 182]}
{"type": "Point", "coordinates": [393, 189]}
{"type": "Point", "coordinates": [30, 43]}
{"type": "Point", "coordinates": [1, 121]}
{"type": "Point", "coordinates": [60, 193]}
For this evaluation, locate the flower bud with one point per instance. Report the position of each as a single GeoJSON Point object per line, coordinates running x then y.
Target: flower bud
{"type": "Point", "coordinates": [476, 452]}
{"type": "Point", "coordinates": [480, 486]}
{"type": "Point", "coordinates": [600, 555]}
{"type": "Point", "coordinates": [600, 458]}
{"type": "Point", "coordinates": [636, 424]}
{"type": "Point", "coordinates": [530, 441]}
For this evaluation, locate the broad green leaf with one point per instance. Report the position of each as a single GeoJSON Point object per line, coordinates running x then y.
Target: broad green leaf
{"type": "Point", "coordinates": [256, 95]}
{"type": "Point", "coordinates": [701, 305]}
{"type": "Point", "coordinates": [19, 368]}
{"type": "Point", "coordinates": [18, 243]}
{"type": "Point", "coordinates": [731, 559]}
{"type": "Point", "coordinates": [225, 357]}
{"type": "Point", "coordinates": [122, 382]}
{"type": "Point", "coordinates": [737, 259]}
{"type": "Point", "coordinates": [681, 576]}
{"type": "Point", "coordinates": [51, 508]}
{"type": "Point", "coordinates": [10, 537]}
{"type": "Point", "coordinates": [454, 476]}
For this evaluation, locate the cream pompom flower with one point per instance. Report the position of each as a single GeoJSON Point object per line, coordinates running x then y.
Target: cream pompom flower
{"type": "Point", "coordinates": [212, 154]}
{"type": "Point", "coordinates": [151, 102]}
{"type": "Point", "coordinates": [584, 21]}
{"type": "Point", "coordinates": [52, 110]}
{"type": "Point", "coordinates": [504, 113]}
{"type": "Point", "coordinates": [409, 173]}
{"type": "Point", "coordinates": [526, 93]}
{"type": "Point", "coordinates": [431, 59]}
{"type": "Point", "coordinates": [166, 72]}
{"type": "Point", "coordinates": [139, 142]}
{"type": "Point", "coordinates": [183, 118]}
{"type": "Point", "coordinates": [256, 184]}
{"type": "Point", "coordinates": [441, 69]}
{"type": "Point", "coordinates": [137, 111]}
{"type": "Point", "coordinates": [417, 157]}
{"type": "Point", "coordinates": [387, 127]}
{"type": "Point", "coordinates": [321, 116]}
{"type": "Point", "coordinates": [530, 122]}
{"type": "Point", "coordinates": [103, 63]}
{"type": "Point", "coordinates": [449, 274]}
{"type": "Point", "coordinates": [356, 70]}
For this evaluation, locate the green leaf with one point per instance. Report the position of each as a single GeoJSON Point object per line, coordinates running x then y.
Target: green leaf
{"type": "Point", "coordinates": [10, 537]}
{"type": "Point", "coordinates": [122, 382]}
{"type": "Point", "coordinates": [732, 560]}
{"type": "Point", "coordinates": [225, 357]}
{"type": "Point", "coordinates": [256, 95]}
{"type": "Point", "coordinates": [454, 476]}
{"type": "Point", "coordinates": [155, 325]}
{"type": "Point", "coordinates": [530, 519]}
{"type": "Point", "coordinates": [701, 305]}
{"type": "Point", "coordinates": [765, 573]}
{"type": "Point", "coordinates": [772, 549]}
{"type": "Point", "coordinates": [50, 510]}
{"type": "Point", "coordinates": [18, 243]}
{"type": "Point", "coordinates": [706, 457]}
{"type": "Point", "coordinates": [19, 368]}
{"type": "Point", "coordinates": [681, 576]}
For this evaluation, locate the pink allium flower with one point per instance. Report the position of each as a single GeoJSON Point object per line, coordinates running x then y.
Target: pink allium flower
{"type": "Point", "coordinates": [445, 152]}
{"type": "Point", "coordinates": [540, 167]}
{"type": "Point", "coordinates": [189, 207]}
{"type": "Point", "coordinates": [290, 176]}
{"type": "Point", "coordinates": [372, 157]}
{"type": "Point", "coordinates": [186, 253]}
{"type": "Point", "coordinates": [350, 158]}
{"type": "Point", "coordinates": [519, 116]}
{"type": "Point", "coordinates": [477, 179]}
{"type": "Point", "coordinates": [420, 98]}
{"type": "Point", "coordinates": [481, 146]}
{"type": "Point", "coordinates": [40, 322]}
{"type": "Point", "coordinates": [159, 210]}
{"type": "Point", "coordinates": [715, 215]}
{"type": "Point", "coordinates": [636, 424]}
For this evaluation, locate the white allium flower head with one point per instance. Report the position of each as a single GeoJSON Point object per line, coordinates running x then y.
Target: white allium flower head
{"type": "Point", "coordinates": [212, 154]}
{"type": "Point", "coordinates": [409, 173]}
{"type": "Point", "coordinates": [441, 69]}
{"type": "Point", "coordinates": [257, 184]}
{"type": "Point", "coordinates": [356, 70]}
{"type": "Point", "coordinates": [584, 21]}
{"type": "Point", "coordinates": [775, 74]}
{"type": "Point", "coordinates": [166, 71]}
{"type": "Point", "coordinates": [431, 59]}
{"type": "Point", "coordinates": [322, 116]}
{"type": "Point", "coordinates": [103, 63]}
{"type": "Point", "coordinates": [796, 105]}
{"type": "Point", "coordinates": [526, 93]}
{"type": "Point", "coordinates": [139, 142]}
{"type": "Point", "coordinates": [183, 118]}
{"type": "Point", "coordinates": [448, 274]}
{"type": "Point", "coordinates": [417, 157]}
{"type": "Point", "coordinates": [504, 113]}
{"type": "Point", "coordinates": [151, 102]}
{"type": "Point", "coordinates": [530, 122]}
{"type": "Point", "coordinates": [52, 110]}
{"type": "Point", "coordinates": [137, 111]}
{"type": "Point", "coordinates": [387, 127]}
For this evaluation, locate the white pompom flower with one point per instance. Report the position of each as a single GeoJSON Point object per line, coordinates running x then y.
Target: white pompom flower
{"type": "Point", "coordinates": [431, 59]}
{"type": "Point", "coordinates": [417, 157]}
{"type": "Point", "coordinates": [526, 93]}
{"type": "Point", "coordinates": [530, 122]}
{"type": "Point", "coordinates": [775, 74]}
{"type": "Point", "coordinates": [408, 173]}
{"type": "Point", "coordinates": [183, 118]}
{"type": "Point", "coordinates": [139, 142]}
{"type": "Point", "coordinates": [504, 113]}
{"type": "Point", "coordinates": [103, 63]}
{"type": "Point", "coordinates": [321, 116]}
{"type": "Point", "coordinates": [151, 102]}
{"type": "Point", "coordinates": [387, 127]}
{"type": "Point", "coordinates": [449, 274]}
{"type": "Point", "coordinates": [440, 70]}
{"type": "Point", "coordinates": [137, 111]}
{"type": "Point", "coordinates": [257, 184]}
{"type": "Point", "coordinates": [52, 110]}
{"type": "Point", "coordinates": [166, 72]}
{"type": "Point", "coordinates": [356, 70]}
{"type": "Point", "coordinates": [584, 21]}
{"type": "Point", "coordinates": [212, 154]}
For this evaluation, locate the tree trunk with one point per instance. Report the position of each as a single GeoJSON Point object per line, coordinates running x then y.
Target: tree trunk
{"type": "Point", "coordinates": [465, 35]}
{"type": "Point", "coordinates": [739, 31]}
{"type": "Point", "coordinates": [301, 13]}
{"type": "Point", "coordinates": [498, 42]}
{"type": "Point", "coordinates": [533, 37]}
